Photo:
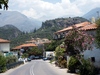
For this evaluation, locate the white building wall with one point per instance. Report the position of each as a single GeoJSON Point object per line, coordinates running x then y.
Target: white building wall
{"type": "Point", "coordinates": [5, 47]}
{"type": "Point", "coordinates": [93, 53]}
{"type": "Point", "coordinates": [49, 52]}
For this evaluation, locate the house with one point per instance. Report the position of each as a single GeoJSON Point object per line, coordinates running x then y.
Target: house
{"type": "Point", "coordinates": [94, 54]}
{"type": "Point", "coordinates": [90, 28]}
{"type": "Point", "coordinates": [4, 46]}
{"type": "Point", "coordinates": [24, 46]}
{"type": "Point", "coordinates": [61, 33]}
{"type": "Point", "coordinates": [38, 41]}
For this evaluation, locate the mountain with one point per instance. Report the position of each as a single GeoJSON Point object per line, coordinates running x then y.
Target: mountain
{"type": "Point", "coordinates": [19, 20]}
{"type": "Point", "coordinates": [47, 30]}
{"type": "Point", "coordinates": [50, 26]}
{"type": "Point", "coordinates": [9, 32]}
{"type": "Point", "coordinates": [63, 22]}
{"type": "Point", "coordinates": [92, 13]}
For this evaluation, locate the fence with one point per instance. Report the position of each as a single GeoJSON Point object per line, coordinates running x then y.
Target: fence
{"type": "Point", "coordinates": [9, 66]}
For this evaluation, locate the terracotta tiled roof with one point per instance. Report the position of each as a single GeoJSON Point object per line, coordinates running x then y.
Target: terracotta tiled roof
{"type": "Point", "coordinates": [76, 25]}
{"type": "Point", "coordinates": [89, 27]}
{"type": "Point", "coordinates": [25, 45]}
{"type": "Point", "coordinates": [17, 47]}
{"type": "Point", "coordinates": [4, 41]}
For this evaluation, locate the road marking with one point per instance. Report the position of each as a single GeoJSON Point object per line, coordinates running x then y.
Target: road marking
{"type": "Point", "coordinates": [31, 70]}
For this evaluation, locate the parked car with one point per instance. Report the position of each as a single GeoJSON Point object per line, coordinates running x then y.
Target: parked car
{"type": "Point", "coordinates": [32, 57]}
{"type": "Point", "coordinates": [37, 57]}
{"type": "Point", "coordinates": [28, 59]}
{"type": "Point", "coordinates": [45, 58]}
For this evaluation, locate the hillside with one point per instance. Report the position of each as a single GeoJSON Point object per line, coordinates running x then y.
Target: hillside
{"type": "Point", "coordinates": [19, 20]}
{"type": "Point", "coordinates": [50, 26]}
{"type": "Point", "coordinates": [9, 32]}
{"type": "Point", "coordinates": [46, 31]}
{"type": "Point", "coordinates": [92, 13]}
{"type": "Point", "coordinates": [62, 22]}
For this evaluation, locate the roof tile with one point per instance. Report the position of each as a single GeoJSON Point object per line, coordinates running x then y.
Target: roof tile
{"type": "Point", "coordinates": [4, 41]}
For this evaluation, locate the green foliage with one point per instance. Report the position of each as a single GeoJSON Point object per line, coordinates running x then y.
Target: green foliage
{"type": "Point", "coordinates": [61, 22]}
{"type": "Point", "coordinates": [35, 51]}
{"type": "Point", "coordinates": [9, 32]}
{"type": "Point", "coordinates": [98, 33]}
{"type": "Point", "coordinates": [20, 39]}
{"type": "Point", "coordinates": [59, 55]}
{"type": "Point", "coordinates": [63, 63]}
{"type": "Point", "coordinates": [52, 46]}
{"type": "Point", "coordinates": [11, 59]}
{"type": "Point", "coordinates": [73, 64]}
{"type": "Point", "coordinates": [59, 51]}
{"type": "Point", "coordinates": [4, 3]}
{"type": "Point", "coordinates": [2, 63]}
{"type": "Point", "coordinates": [87, 68]}
{"type": "Point", "coordinates": [25, 55]}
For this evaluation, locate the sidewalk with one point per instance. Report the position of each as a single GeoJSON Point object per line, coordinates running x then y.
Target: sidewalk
{"type": "Point", "coordinates": [63, 71]}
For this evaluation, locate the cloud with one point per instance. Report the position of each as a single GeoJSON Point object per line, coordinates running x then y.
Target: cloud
{"type": "Point", "coordinates": [41, 10]}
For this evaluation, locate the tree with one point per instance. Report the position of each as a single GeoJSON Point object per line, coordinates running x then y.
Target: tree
{"type": "Point", "coordinates": [98, 33]}
{"type": "Point", "coordinates": [35, 51]}
{"type": "Point", "coordinates": [4, 3]}
{"type": "Point", "coordinates": [52, 46]}
{"type": "Point", "coordinates": [77, 42]}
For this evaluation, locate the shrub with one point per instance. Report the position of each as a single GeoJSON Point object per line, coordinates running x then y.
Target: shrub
{"type": "Point", "coordinates": [11, 59]}
{"type": "Point", "coordinates": [59, 52]}
{"type": "Point", "coordinates": [87, 68]}
{"type": "Point", "coordinates": [73, 64]}
{"type": "Point", "coordinates": [2, 63]}
{"type": "Point", "coordinates": [25, 55]}
{"type": "Point", "coordinates": [63, 63]}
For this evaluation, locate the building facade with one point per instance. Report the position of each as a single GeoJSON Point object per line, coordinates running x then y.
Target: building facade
{"type": "Point", "coordinates": [4, 45]}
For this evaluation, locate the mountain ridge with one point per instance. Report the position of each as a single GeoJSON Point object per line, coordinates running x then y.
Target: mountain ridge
{"type": "Point", "coordinates": [19, 20]}
{"type": "Point", "coordinates": [9, 32]}
{"type": "Point", "coordinates": [92, 13]}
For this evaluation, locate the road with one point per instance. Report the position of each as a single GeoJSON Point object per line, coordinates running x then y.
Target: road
{"type": "Point", "coordinates": [38, 67]}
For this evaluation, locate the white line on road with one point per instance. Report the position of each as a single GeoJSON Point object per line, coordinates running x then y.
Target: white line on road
{"type": "Point", "coordinates": [31, 70]}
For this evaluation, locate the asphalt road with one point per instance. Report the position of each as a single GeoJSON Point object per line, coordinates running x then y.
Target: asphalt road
{"type": "Point", "coordinates": [37, 67]}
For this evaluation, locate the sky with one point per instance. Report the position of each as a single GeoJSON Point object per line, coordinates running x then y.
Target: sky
{"type": "Point", "coordinates": [50, 9]}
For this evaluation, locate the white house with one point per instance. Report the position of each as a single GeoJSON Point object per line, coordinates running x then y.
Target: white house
{"type": "Point", "coordinates": [94, 54]}
{"type": "Point", "coordinates": [4, 45]}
